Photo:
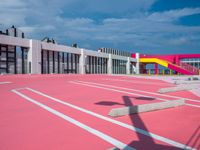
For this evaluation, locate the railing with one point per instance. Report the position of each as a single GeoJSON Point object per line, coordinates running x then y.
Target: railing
{"type": "Point", "coordinates": [190, 68]}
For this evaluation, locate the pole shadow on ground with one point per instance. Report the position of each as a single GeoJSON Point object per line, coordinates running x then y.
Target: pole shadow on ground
{"type": "Point", "coordinates": [144, 142]}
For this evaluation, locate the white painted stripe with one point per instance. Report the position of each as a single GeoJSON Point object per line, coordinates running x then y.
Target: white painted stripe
{"type": "Point", "coordinates": [130, 127]}
{"type": "Point", "coordinates": [138, 82]}
{"type": "Point", "coordinates": [110, 89]}
{"type": "Point", "coordinates": [118, 87]}
{"type": "Point", "coordinates": [93, 131]}
{"type": "Point", "coordinates": [193, 105]}
{"type": "Point", "coordinates": [120, 91]}
{"type": "Point", "coordinates": [5, 82]}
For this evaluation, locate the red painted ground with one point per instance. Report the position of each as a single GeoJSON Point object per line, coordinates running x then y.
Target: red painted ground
{"type": "Point", "coordinates": [24, 125]}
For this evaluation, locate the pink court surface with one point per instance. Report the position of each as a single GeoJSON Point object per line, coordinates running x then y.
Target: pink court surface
{"type": "Point", "coordinates": [61, 112]}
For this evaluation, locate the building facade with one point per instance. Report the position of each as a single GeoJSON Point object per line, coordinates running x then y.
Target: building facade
{"type": "Point", "coordinates": [185, 64]}
{"type": "Point", "coordinates": [19, 55]}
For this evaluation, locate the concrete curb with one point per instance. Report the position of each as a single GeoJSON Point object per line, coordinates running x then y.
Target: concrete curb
{"type": "Point", "coordinates": [187, 82]}
{"type": "Point", "coordinates": [113, 148]}
{"type": "Point", "coordinates": [177, 88]}
{"type": "Point", "coordinates": [116, 112]}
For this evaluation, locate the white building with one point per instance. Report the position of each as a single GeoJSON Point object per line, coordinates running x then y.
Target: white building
{"type": "Point", "coordinates": [21, 55]}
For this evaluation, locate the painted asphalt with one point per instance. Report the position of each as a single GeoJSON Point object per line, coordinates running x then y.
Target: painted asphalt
{"type": "Point", "coordinates": [71, 112]}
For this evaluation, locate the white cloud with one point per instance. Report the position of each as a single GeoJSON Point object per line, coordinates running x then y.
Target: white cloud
{"type": "Point", "coordinates": [172, 15]}
{"type": "Point", "coordinates": [27, 30]}
{"type": "Point", "coordinates": [115, 6]}
{"type": "Point", "coordinates": [8, 4]}
{"type": "Point", "coordinates": [121, 23]}
{"type": "Point", "coordinates": [13, 12]}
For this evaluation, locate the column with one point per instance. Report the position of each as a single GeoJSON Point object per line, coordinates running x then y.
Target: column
{"type": "Point", "coordinates": [89, 64]}
{"type": "Point", "coordinates": [82, 62]}
{"type": "Point", "coordinates": [42, 61]}
{"type": "Point", "coordinates": [15, 59]}
{"type": "Point", "coordinates": [138, 63]}
{"type": "Point", "coordinates": [63, 62]}
{"type": "Point", "coordinates": [67, 62]}
{"type": "Point", "coordinates": [23, 64]}
{"type": "Point", "coordinates": [109, 64]}
{"type": "Point", "coordinates": [128, 65]}
{"type": "Point", "coordinates": [34, 57]}
{"type": "Point", "coordinates": [48, 62]}
{"type": "Point", "coordinates": [53, 62]}
{"type": "Point", "coordinates": [58, 53]}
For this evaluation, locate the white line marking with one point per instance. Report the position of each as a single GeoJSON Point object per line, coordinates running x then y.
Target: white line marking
{"type": "Point", "coordinates": [192, 105]}
{"type": "Point", "coordinates": [120, 91]}
{"type": "Point", "coordinates": [130, 127]}
{"type": "Point", "coordinates": [109, 89]}
{"type": "Point", "coordinates": [91, 84]}
{"type": "Point", "coordinates": [5, 82]}
{"type": "Point", "coordinates": [101, 135]}
{"type": "Point", "coordinates": [139, 82]}
{"type": "Point", "coordinates": [118, 87]}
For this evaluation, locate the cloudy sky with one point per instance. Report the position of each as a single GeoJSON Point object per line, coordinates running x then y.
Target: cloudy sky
{"type": "Point", "coordinates": [145, 26]}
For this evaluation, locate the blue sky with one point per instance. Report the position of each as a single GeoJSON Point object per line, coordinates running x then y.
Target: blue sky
{"type": "Point", "coordinates": [145, 26]}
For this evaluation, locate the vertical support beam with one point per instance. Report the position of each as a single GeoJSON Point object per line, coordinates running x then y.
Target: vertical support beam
{"type": "Point", "coordinates": [92, 70]}
{"type": "Point", "coordinates": [75, 63]}
{"type": "Point", "coordinates": [93, 60]}
{"type": "Point", "coordinates": [117, 67]}
{"type": "Point", "coordinates": [63, 62]}
{"type": "Point", "coordinates": [95, 65]}
{"type": "Point", "coordinates": [15, 53]}
{"type": "Point", "coordinates": [58, 62]}
{"type": "Point", "coordinates": [109, 64]}
{"type": "Point", "coordinates": [97, 58]}
{"type": "Point", "coordinates": [106, 66]}
{"type": "Point", "coordinates": [91, 57]}
{"type": "Point", "coordinates": [128, 65]}
{"type": "Point", "coordinates": [72, 62]}
{"type": "Point", "coordinates": [124, 66]}
{"type": "Point", "coordinates": [34, 57]}
{"type": "Point", "coordinates": [15, 59]}
{"type": "Point", "coordinates": [98, 71]}
{"type": "Point", "coordinates": [101, 66]}
{"type": "Point", "coordinates": [82, 62]}
{"type": "Point", "coordinates": [78, 64]}
{"type": "Point", "coordinates": [48, 65]}
{"type": "Point", "coordinates": [138, 63]}
{"type": "Point", "coordinates": [114, 66]}
{"type": "Point", "coordinates": [89, 64]}
{"type": "Point", "coordinates": [156, 69]}
{"type": "Point", "coordinates": [7, 70]}
{"type": "Point", "coordinates": [67, 62]}
{"type": "Point", "coordinates": [120, 70]}
{"type": "Point", "coordinates": [63, 57]}
{"type": "Point", "coordinates": [42, 62]}
{"type": "Point", "coordinates": [53, 62]}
